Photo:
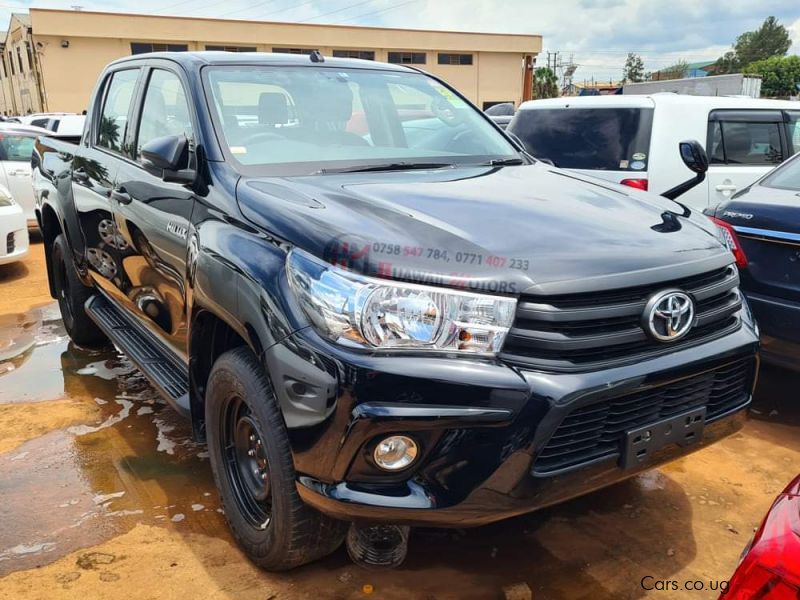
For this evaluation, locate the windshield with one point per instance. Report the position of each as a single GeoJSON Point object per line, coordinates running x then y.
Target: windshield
{"type": "Point", "coordinates": [606, 139]}
{"type": "Point", "coordinates": [297, 120]}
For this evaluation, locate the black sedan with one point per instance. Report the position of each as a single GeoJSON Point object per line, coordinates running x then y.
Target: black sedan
{"type": "Point", "coordinates": [762, 227]}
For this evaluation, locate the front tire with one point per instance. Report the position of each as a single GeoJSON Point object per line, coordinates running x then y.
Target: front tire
{"type": "Point", "coordinates": [72, 295]}
{"type": "Point", "coordinates": [252, 464]}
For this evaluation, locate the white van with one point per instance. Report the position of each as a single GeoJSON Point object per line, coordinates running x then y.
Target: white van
{"type": "Point", "coordinates": [634, 139]}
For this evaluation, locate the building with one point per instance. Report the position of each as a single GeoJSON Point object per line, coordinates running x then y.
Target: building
{"type": "Point", "coordinates": [51, 58]}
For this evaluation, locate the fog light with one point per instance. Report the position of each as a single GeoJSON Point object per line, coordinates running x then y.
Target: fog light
{"type": "Point", "coordinates": [395, 452]}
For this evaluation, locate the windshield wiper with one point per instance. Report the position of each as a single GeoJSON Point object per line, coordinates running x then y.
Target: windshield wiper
{"type": "Point", "coordinates": [503, 162]}
{"type": "Point", "coordinates": [395, 166]}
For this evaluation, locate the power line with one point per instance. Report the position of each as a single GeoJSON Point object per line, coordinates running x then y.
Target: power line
{"type": "Point", "coordinates": [338, 10]}
{"type": "Point", "coordinates": [378, 11]}
{"type": "Point", "coordinates": [246, 7]}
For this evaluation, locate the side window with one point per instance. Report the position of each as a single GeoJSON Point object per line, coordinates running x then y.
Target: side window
{"type": "Point", "coordinates": [165, 110]}
{"type": "Point", "coordinates": [794, 131]}
{"type": "Point", "coordinates": [738, 141]}
{"type": "Point", "coordinates": [17, 148]}
{"type": "Point", "coordinates": [113, 125]}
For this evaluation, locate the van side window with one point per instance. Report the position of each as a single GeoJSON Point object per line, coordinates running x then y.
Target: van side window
{"type": "Point", "coordinates": [165, 110]}
{"type": "Point", "coordinates": [113, 125]}
{"type": "Point", "coordinates": [794, 131]}
{"type": "Point", "coordinates": [739, 141]}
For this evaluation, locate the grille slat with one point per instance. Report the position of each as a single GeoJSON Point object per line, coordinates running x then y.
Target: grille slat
{"type": "Point", "coordinates": [579, 331]}
{"type": "Point", "coordinates": [598, 430]}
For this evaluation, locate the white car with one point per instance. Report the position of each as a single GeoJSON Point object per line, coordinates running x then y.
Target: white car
{"type": "Point", "coordinates": [13, 229]}
{"type": "Point", "coordinates": [29, 119]}
{"type": "Point", "coordinates": [16, 147]}
{"type": "Point", "coordinates": [634, 139]}
{"type": "Point", "coordinates": [61, 125]}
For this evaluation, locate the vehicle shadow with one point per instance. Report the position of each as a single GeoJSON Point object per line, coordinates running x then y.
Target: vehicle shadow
{"type": "Point", "coordinates": [13, 272]}
{"type": "Point", "coordinates": [776, 396]}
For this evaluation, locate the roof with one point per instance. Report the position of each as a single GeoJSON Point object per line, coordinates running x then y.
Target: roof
{"type": "Point", "coordinates": [23, 18]}
{"type": "Point", "coordinates": [195, 59]}
{"type": "Point", "coordinates": [652, 100]}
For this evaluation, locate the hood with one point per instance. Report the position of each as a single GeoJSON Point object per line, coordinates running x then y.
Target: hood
{"type": "Point", "coordinates": [526, 229]}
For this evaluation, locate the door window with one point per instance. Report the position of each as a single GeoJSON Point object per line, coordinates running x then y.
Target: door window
{"type": "Point", "coordinates": [113, 125]}
{"type": "Point", "coordinates": [741, 142]}
{"type": "Point", "coordinates": [17, 148]}
{"type": "Point", "coordinates": [794, 130]}
{"type": "Point", "coordinates": [165, 110]}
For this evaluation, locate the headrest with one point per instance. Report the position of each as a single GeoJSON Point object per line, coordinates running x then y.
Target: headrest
{"type": "Point", "coordinates": [272, 108]}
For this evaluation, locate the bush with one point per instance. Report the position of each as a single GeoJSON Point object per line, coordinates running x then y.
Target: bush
{"type": "Point", "coordinates": [780, 75]}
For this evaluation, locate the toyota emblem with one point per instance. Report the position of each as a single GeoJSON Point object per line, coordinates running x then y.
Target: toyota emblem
{"type": "Point", "coordinates": [668, 315]}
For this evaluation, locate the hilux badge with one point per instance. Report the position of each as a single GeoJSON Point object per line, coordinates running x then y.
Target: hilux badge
{"type": "Point", "coordinates": [668, 315]}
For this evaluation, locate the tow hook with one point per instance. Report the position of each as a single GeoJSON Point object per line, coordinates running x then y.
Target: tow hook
{"type": "Point", "coordinates": [381, 546]}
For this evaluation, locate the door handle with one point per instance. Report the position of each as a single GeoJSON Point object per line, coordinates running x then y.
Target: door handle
{"type": "Point", "coordinates": [726, 187]}
{"type": "Point", "coordinates": [121, 196]}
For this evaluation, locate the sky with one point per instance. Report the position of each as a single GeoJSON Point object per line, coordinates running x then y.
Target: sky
{"type": "Point", "coordinates": [599, 33]}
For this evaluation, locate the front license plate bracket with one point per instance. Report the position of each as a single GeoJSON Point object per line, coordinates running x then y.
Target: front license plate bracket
{"type": "Point", "coordinates": [684, 430]}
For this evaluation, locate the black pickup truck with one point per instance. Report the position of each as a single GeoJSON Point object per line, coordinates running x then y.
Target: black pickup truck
{"type": "Point", "coordinates": [374, 307]}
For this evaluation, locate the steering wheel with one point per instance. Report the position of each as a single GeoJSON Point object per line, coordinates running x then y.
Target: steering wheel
{"type": "Point", "coordinates": [446, 112]}
{"type": "Point", "coordinates": [262, 136]}
{"type": "Point", "coordinates": [461, 139]}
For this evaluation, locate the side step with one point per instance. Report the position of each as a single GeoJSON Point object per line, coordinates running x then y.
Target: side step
{"type": "Point", "coordinates": [148, 353]}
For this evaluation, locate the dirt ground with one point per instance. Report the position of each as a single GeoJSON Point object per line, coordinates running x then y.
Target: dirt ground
{"type": "Point", "coordinates": [103, 495]}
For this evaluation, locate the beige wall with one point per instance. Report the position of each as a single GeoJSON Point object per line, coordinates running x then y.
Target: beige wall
{"type": "Point", "coordinates": [95, 39]}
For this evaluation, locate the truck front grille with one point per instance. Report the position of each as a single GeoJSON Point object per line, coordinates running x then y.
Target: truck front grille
{"type": "Point", "coordinates": [584, 331]}
{"type": "Point", "coordinates": [597, 431]}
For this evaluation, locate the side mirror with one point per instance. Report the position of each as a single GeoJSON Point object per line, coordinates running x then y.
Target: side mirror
{"type": "Point", "coordinates": [170, 155]}
{"type": "Point", "coordinates": [694, 156]}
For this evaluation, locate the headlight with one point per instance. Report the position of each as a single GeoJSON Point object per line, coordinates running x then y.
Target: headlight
{"type": "Point", "coordinates": [367, 312]}
{"type": "Point", "coordinates": [5, 198]}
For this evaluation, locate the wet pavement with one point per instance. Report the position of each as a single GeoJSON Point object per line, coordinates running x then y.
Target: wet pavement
{"type": "Point", "coordinates": [103, 494]}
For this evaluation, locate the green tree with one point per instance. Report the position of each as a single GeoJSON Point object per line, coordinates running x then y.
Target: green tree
{"type": "Point", "coordinates": [634, 69]}
{"type": "Point", "coordinates": [780, 75]}
{"type": "Point", "coordinates": [771, 39]}
{"type": "Point", "coordinates": [677, 71]}
{"type": "Point", "coordinates": [545, 83]}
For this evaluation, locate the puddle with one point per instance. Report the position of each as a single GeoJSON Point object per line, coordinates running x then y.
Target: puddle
{"type": "Point", "coordinates": [77, 486]}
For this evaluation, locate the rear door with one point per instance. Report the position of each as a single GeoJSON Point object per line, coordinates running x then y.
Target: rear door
{"type": "Point", "coordinates": [95, 166]}
{"type": "Point", "coordinates": [15, 157]}
{"type": "Point", "coordinates": [742, 146]}
{"type": "Point", "coordinates": [152, 215]}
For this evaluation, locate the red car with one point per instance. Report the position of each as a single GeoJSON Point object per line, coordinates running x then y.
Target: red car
{"type": "Point", "coordinates": [770, 570]}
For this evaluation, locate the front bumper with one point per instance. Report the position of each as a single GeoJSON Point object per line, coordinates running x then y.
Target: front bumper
{"type": "Point", "coordinates": [480, 424]}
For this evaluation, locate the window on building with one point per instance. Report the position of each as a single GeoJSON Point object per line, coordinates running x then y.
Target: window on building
{"type": "Point", "coordinates": [11, 62]}
{"type": "Point", "coordinates": [19, 59]}
{"type": "Point", "coordinates": [144, 47]}
{"type": "Point", "coordinates": [30, 55]}
{"type": "Point", "coordinates": [231, 48]}
{"type": "Point", "coordinates": [294, 50]}
{"type": "Point", "coordinates": [362, 54]}
{"type": "Point", "coordinates": [407, 58]}
{"type": "Point", "coordinates": [455, 59]}
{"type": "Point", "coordinates": [165, 110]}
{"type": "Point", "coordinates": [113, 125]}
{"type": "Point", "coordinates": [4, 72]}
{"type": "Point", "coordinates": [739, 138]}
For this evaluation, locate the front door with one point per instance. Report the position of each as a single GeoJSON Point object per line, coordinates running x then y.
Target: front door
{"type": "Point", "coordinates": [743, 145]}
{"type": "Point", "coordinates": [153, 216]}
{"type": "Point", "coordinates": [15, 154]}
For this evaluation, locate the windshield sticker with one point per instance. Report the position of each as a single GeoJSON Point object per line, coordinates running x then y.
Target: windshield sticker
{"type": "Point", "coordinates": [449, 96]}
{"type": "Point", "coordinates": [623, 164]}
{"type": "Point", "coordinates": [238, 150]}
{"type": "Point", "coordinates": [639, 156]}
{"type": "Point", "coordinates": [638, 165]}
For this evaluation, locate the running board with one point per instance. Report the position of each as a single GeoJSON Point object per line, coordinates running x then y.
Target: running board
{"type": "Point", "coordinates": [147, 352]}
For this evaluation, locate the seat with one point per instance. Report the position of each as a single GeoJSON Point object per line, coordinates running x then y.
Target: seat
{"type": "Point", "coordinates": [272, 109]}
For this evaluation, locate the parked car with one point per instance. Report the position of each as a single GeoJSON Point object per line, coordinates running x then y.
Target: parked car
{"type": "Point", "coordinates": [770, 567]}
{"type": "Point", "coordinates": [13, 229]}
{"type": "Point", "coordinates": [632, 139]}
{"type": "Point", "coordinates": [62, 125]}
{"type": "Point", "coordinates": [762, 223]}
{"type": "Point", "coordinates": [30, 118]}
{"type": "Point", "coordinates": [501, 113]}
{"type": "Point", "coordinates": [16, 149]}
{"type": "Point", "coordinates": [416, 325]}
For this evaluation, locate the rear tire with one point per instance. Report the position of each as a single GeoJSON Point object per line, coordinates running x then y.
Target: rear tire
{"type": "Point", "coordinates": [72, 295]}
{"type": "Point", "coordinates": [251, 459]}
